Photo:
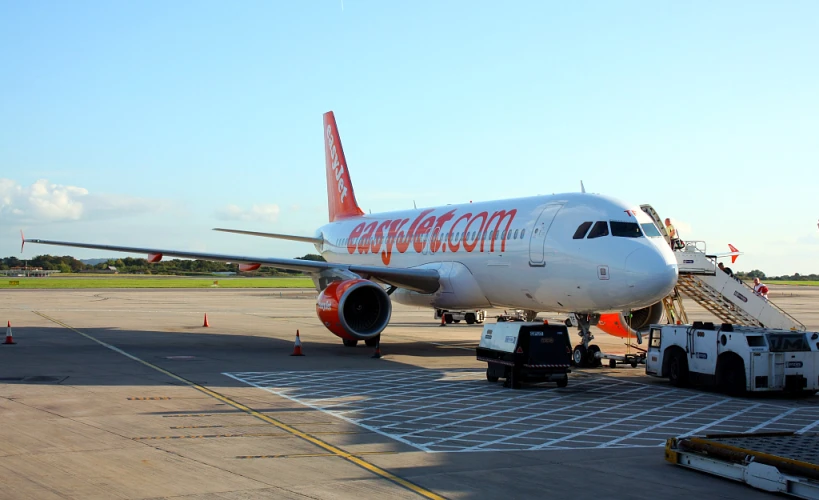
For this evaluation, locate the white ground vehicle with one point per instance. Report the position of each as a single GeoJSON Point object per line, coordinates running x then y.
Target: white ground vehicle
{"type": "Point", "coordinates": [734, 358]}
{"type": "Point", "coordinates": [470, 317]}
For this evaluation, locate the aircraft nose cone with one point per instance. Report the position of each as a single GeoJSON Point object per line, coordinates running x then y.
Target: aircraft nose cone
{"type": "Point", "coordinates": [650, 274]}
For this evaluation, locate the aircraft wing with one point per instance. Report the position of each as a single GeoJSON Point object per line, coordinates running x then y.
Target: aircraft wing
{"type": "Point", "coordinates": [305, 239]}
{"type": "Point", "coordinates": [419, 280]}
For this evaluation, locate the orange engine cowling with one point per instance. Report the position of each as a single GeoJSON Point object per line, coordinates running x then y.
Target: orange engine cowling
{"type": "Point", "coordinates": [356, 309]}
{"type": "Point", "coordinates": [620, 325]}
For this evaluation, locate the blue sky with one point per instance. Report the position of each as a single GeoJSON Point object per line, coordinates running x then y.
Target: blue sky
{"type": "Point", "coordinates": [148, 123]}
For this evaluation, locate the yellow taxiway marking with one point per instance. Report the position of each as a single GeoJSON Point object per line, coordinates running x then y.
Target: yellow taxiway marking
{"type": "Point", "coordinates": [309, 455]}
{"type": "Point", "coordinates": [334, 450]}
{"type": "Point", "coordinates": [210, 436]}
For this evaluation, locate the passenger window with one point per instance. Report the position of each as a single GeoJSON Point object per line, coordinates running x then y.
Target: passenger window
{"type": "Point", "coordinates": [522, 232]}
{"type": "Point", "coordinates": [582, 229]}
{"type": "Point", "coordinates": [503, 235]}
{"type": "Point", "coordinates": [516, 234]}
{"type": "Point", "coordinates": [601, 228]}
{"type": "Point", "coordinates": [509, 236]}
{"type": "Point", "coordinates": [625, 229]}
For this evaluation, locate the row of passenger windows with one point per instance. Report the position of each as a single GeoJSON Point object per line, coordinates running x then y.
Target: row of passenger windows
{"type": "Point", "coordinates": [471, 236]}
{"type": "Point", "coordinates": [618, 228]}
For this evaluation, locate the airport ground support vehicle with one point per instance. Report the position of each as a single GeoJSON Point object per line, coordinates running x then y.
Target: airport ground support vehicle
{"type": "Point", "coordinates": [526, 352]}
{"type": "Point", "coordinates": [735, 359]}
{"type": "Point", "coordinates": [470, 317]}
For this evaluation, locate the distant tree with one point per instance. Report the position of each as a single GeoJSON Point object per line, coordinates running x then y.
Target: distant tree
{"type": "Point", "coordinates": [313, 256]}
{"type": "Point", "coordinates": [64, 268]}
{"type": "Point", "coordinates": [756, 273]}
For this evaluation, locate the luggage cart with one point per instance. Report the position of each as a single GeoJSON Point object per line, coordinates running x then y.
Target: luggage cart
{"type": "Point", "coordinates": [526, 352]}
{"type": "Point", "coordinates": [782, 462]}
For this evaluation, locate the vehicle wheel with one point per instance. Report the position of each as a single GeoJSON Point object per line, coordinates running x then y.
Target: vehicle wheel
{"type": "Point", "coordinates": [591, 356]}
{"type": "Point", "coordinates": [563, 382]}
{"type": "Point", "coordinates": [491, 378]}
{"type": "Point", "coordinates": [448, 319]}
{"type": "Point", "coordinates": [678, 369]}
{"type": "Point", "coordinates": [349, 343]}
{"type": "Point", "coordinates": [579, 356]}
{"type": "Point", "coordinates": [470, 318]}
{"type": "Point", "coordinates": [373, 341]}
{"type": "Point", "coordinates": [456, 321]}
{"type": "Point", "coordinates": [612, 363]}
{"type": "Point", "coordinates": [731, 376]}
{"type": "Point", "coordinates": [634, 364]}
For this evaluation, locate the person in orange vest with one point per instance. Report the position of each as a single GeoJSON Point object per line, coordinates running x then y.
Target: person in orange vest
{"type": "Point", "coordinates": [676, 244]}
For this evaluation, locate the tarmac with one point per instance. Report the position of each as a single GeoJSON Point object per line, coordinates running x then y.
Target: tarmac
{"type": "Point", "coordinates": [124, 394]}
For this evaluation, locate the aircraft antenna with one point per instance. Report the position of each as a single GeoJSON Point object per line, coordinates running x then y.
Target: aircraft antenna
{"type": "Point", "coordinates": [582, 187]}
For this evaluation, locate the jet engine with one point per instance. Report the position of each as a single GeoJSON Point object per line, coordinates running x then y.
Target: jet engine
{"type": "Point", "coordinates": [620, 325]}
{"type": "Point", "coordinates": [354, 309]}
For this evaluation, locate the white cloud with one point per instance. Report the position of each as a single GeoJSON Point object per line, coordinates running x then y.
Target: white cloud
{"type": "Point", "coordinates": [262, 212]}
{"type": "Point", "coordinates": [44, 201]}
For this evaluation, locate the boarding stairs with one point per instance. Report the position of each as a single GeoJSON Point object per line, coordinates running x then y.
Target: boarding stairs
{"type": "Point", "coordinates": [727, 298]}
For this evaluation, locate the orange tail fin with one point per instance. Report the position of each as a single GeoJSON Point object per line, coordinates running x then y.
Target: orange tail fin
{"type": "Point", "coordinates": [340, 194]}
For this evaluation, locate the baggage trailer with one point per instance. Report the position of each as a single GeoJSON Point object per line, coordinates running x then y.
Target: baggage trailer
{"type": "Point", "coordinates": [782, 462]}
{"type": "Point", "coordinates": [526, 352]}
{"type": "Point", "coordinates": [735, 358]}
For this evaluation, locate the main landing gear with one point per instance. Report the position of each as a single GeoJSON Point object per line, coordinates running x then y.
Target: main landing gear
{"type": "Point", "coordinates": [585, 355]}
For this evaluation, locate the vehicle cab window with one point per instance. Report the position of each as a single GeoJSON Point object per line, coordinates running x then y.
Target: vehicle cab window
{"type": "Point", "coordinates": [582, 229]}
{"type": "Point", "coordinates": [601, 228]}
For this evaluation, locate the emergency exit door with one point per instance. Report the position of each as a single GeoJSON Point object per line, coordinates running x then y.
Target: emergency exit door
{"type": "Point", "coordinates": [537, 242]}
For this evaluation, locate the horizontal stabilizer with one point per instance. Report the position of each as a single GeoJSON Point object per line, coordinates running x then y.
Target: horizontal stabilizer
{"type": "Point", "coordinates": [306, 239]}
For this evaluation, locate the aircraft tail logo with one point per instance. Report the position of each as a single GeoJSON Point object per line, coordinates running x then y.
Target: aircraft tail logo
{"type": "Point", "coordinates": [340, 195]}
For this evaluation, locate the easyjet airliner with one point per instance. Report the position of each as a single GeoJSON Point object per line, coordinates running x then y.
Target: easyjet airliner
{"type": "Point", "coordinates": [575, 253]}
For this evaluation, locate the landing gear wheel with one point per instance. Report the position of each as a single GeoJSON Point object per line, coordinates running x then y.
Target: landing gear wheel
{"type": "Point", "coordinates": [678, 369]}
{"type": "Point", "coordinates": [563, 382]}
{"type": "Point", "coordinates": [470, 318]}
{"type": "Point", "coordinates": [349, 343]}
{"type": "Point", "coordinates": [591, 356]}
{"type": "Point", "coordinates": [612, 363]}
{"type": "Point", "coordinates": [491, 378]}
{"type": "Point", "coordinates": [579, 356]}
{"type": "Point", "coordinates": [373, 341]}
{"type": "Point", "coordinates": [448, 319]}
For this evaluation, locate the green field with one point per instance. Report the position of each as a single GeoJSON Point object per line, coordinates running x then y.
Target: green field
{"type": "Point", "coordinates": [96, 281]}
{"type": "Point", "coordinates": [800, 283]}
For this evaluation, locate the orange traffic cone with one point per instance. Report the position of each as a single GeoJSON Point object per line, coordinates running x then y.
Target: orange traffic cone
{"type": "Point", "coordinates": [377, 350]}
{"type": "Point", "coordinates": [297, 347]}
{"type": "Point", "coordinates": [443, 320]}
{"type": "Point", "coordinates": [206, 324]}
{"type": "Point", "coordinates": [9, 337]}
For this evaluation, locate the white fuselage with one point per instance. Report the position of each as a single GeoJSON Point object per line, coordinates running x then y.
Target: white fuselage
{"type": "Point", "coordinates": [518, 253]}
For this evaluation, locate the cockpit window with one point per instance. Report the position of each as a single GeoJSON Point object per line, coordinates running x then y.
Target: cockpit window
{"type": "Point", "coordinates": [626, 229]}
{"type": "Point", "coordinates": [601, 228]}
{"type": "Point", "coordinates": [582, 230]}
{"type": "Point", "coordinates": [650, 229]}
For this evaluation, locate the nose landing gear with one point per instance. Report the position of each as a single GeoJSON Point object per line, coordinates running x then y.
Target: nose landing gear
{"type": "Point", "coordinates": [585, 355]}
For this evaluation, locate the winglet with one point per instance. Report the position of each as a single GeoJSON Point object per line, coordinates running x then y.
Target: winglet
{"type": "Point", "coordinates": [23, 241]}
{"type": "Point", "coordinates": [735, 253]}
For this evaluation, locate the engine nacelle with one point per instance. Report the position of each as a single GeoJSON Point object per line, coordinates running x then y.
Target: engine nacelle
{"type": "Point", "coordinates": [619, 324]}
{"type": "Point", "coordinates": [356, 309]}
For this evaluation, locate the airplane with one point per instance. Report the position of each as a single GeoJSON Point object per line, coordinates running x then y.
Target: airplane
{"type": "Point", "coordinates": [586, 254]}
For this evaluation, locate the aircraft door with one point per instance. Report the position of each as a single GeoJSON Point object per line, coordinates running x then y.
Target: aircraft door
{"type": "Point", "coordinates": [537, 242]}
